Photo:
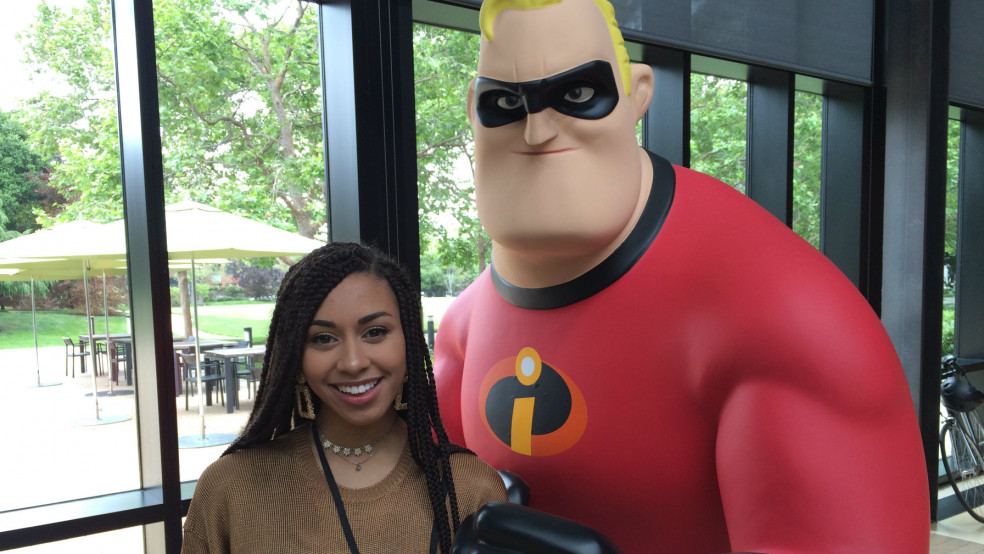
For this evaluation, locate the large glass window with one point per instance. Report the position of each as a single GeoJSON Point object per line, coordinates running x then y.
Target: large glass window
{"type": "Point", "coordinates": [950, 243]}
{"type": "Point", "coordinates": [67, 406]}
{"type": "Point", "coordinates": [240, 113]}
{"type": "Point", "coordinates": [454, 248]}
{"type": "Point", "coordinates": [240, 108]}
{"type": "Point", "coordinates": [718, 123]}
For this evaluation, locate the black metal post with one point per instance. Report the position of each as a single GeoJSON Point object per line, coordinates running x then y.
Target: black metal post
{"type": "Point", "coordinates": [666, 126]}
{"type": "Point", "coordinates": [371, 165]}
{"type": "Point", "coordinates": [770, 141]}
{"type": "Point", "coordinates": [916, 69]}
{"type": "Point", "coordinates": [150, 297]}
{"type": "Point", "coordinates": [844, 181]}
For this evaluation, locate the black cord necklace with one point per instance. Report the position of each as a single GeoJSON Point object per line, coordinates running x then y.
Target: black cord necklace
{"type": "Point", "coordinates": [340, 506]}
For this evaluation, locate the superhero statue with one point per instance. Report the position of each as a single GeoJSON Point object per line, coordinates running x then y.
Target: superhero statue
{"type": "Point", "coordinates": [658, 357]}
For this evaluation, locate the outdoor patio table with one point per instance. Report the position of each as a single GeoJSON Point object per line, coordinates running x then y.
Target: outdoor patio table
{"type": "Point", "coordinates": [189, 346]}
{"type": "Point", "coordinates": [227, 355]}
{"type": "Point", "coordinates": [114, 369]}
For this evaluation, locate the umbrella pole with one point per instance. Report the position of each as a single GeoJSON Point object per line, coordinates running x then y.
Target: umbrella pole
{"type": "Point", "coordinates": [109, 368]}
{"type": "Point", "coordinates": [37, 354]}
{"type": "Point", "coordinates": [198, 349]}
{"type": "Point", "coordinates": [34, 320]}
{"type": "Point", "coordinates": [92, 344]}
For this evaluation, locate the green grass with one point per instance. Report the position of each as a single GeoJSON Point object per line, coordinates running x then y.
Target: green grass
{"type": "Point", "coordinates": [17, 330]}
{"type": "Point", "coordinates": [225, 319]}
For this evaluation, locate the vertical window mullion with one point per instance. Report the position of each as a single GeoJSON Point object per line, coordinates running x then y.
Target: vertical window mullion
{"type": "Point", "coordinates": [143, 195]}
{"type": "Point", "coordinates": [770, 141]}
{"type": "Point", "coordinates": [666, 125]}
{"type": "Point", "coordinates": [843, 182]}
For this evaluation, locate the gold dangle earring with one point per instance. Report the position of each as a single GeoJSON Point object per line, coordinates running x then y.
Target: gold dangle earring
{"type": "Point", "coordinates": [398, 402]}
{"type": "Point", "coordinates": [305, 406]}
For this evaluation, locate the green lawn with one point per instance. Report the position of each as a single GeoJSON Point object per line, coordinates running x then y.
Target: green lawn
{"type": "Point", "coordinates": [221, 320]}
{"type": "Point", "coordinates": [17, 331]}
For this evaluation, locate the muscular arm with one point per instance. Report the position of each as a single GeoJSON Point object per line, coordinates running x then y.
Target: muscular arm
{"type": "Point", "coordinates": [448, 366]}
{"type": "Point", "coordinates": [818, 448]}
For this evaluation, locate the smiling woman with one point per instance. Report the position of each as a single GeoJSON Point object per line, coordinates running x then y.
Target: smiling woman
{"type": "Point", "coordinates": [345, 423]}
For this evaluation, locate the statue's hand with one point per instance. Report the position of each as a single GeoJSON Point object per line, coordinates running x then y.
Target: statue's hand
{"type": "Point", "coordinates": [506, 528]}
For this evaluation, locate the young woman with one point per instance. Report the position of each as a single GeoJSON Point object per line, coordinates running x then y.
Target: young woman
{"type": "Point", "coordinates": [344, 450]}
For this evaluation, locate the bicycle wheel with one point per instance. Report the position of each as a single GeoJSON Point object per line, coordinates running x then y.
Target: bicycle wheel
{"type": "Point", "coordinates": [964, 468]}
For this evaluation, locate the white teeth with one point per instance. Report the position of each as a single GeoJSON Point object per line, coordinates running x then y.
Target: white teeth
{"type": "Point", "coordinates": [359, 389]}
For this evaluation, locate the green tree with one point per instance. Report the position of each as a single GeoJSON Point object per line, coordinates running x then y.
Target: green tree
{"type": "Point", "coordinates": [239, 104]}
{"type": "Point", "coordinates": [807, 137]}
{"type": "Point", "coordinates": [444, 64]}
{"type": "Point", "coordinates": [20, 167]}
{"type": "Point", "coordinates": [8, 289]}
{"type": "Point", "coordinates": [717, 128]}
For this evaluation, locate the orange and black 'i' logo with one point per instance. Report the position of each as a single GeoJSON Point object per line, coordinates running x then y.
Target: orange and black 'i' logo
{"type": "Point", "coordinates": [531, 407]}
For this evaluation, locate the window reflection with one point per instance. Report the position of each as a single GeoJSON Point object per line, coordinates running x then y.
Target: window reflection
{"type": "Point", "coordinates": [454, 248]}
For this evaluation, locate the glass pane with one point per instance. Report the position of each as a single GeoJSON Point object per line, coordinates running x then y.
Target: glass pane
{"type": "Point", "coordinates": [240, 108]}
{"type": "Point", "coordinates": [718, 120]}
{"type": "Point", "coordinates": [807, 139]}
{"type": "Point", "coordinates": [454, 248]}
{"type": "Point", "coordinates": [950, 244]}
{"type": "Point", "coordinates": [69, 414]}
{"type": "Point", "coordinates": [121, 541]}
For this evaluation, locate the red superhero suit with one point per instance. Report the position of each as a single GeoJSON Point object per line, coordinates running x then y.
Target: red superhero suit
{"type": "Point", "coordinates": [715, 385]}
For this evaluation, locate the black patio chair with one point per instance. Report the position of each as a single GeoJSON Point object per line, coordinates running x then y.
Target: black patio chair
{"type": "Point", "coordinates": [72, 351]}
{"type": "Point", "coordinates": [211, 373]}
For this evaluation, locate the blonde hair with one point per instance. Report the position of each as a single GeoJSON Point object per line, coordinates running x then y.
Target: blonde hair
{"type": "Point", "coordinates": [491, 8]}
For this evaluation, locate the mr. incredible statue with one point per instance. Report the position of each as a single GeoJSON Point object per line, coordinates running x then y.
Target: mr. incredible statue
{"type": "Point", "coordinates": [658, 357]}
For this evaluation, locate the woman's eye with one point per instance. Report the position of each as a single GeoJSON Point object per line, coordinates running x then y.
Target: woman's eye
{"type": "Point", "coordinates": [323, 339]}
{"type": "Point", "coordinates": [508, 102]}
{"type": "Point", "coordinates": [579, 94]}
{"type": "Point", "coordinates": [376, 332]}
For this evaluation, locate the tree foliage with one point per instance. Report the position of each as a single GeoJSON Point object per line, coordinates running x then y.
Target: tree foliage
{"type": "Point", "coordinates": [807, 138]}
{"type": "Point", "coordinates": [718, 111]}
{"type": "Point", "coordinates": [444, 64]}
{"type": "Point", "coordinates": [20, 170]}
{"type": "Point", "coordinates": [256, 282]}
{"type": "Point", "coordinates": [240, 108]}
{"type": "Point", "coordinates": [239, 105]}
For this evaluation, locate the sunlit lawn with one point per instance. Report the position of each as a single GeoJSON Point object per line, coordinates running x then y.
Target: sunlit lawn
{"type": "Point", "coordinates": [219, 320]}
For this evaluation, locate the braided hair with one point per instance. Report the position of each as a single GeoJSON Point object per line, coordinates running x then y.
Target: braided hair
{"type": "Point", "coordinates": [301, 293]}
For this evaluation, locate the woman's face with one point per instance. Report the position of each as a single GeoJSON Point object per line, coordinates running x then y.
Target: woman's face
{"type": "Point", "coordinates": [355, 355]}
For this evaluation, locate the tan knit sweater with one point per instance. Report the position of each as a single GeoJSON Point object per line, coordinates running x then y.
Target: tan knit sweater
{"type": "Point", "coordinates": [274, 499]}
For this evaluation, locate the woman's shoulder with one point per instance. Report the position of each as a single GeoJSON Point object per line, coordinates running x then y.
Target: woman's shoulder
{"type": "Point", "coordinates": [475, 478]}
{"type": "Point", "coordinates": [256, 459]}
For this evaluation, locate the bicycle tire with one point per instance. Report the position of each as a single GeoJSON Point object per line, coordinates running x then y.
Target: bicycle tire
{"type": "Point", "coordinates": [964, 469]}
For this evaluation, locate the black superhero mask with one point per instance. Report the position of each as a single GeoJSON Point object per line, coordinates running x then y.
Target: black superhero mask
{"type": "Point", "coordinates": [586, 92]}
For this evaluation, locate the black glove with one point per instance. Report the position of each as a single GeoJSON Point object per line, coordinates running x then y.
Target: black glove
{"type": "Point", "coordinates": [506, 528]}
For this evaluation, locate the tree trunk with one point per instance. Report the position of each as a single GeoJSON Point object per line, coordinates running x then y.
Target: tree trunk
{"type": "Point", "coordinates": [185, 302]}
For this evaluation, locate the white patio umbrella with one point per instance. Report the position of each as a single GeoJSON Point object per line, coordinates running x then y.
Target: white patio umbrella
{"type": "Point", "coordinates": [71, 248]}
{"type": "Point", "coordinates": [41, 275]}
{"type": "Point", "coordinates": [196, 232]}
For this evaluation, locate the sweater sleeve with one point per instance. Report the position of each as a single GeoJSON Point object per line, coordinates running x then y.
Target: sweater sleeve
{"type": "Point", "coordinates": [206, 528]}
{"type": "Point", "coordinates": [476, 483]}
